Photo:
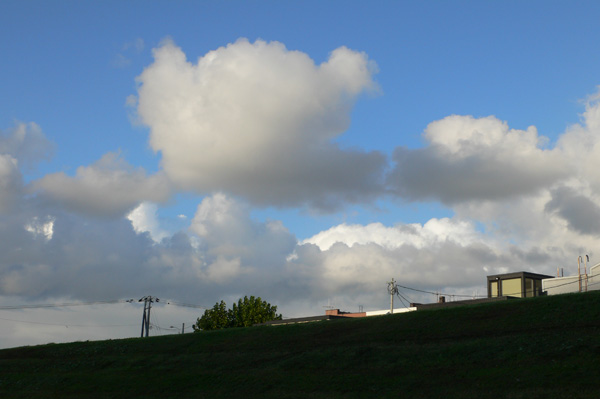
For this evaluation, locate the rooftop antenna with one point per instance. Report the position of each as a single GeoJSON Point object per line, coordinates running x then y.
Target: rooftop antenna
{"type": "Point", "coordinates": [329, 305]}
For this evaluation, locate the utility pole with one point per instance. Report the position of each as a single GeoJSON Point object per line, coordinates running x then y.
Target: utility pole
{"type": "Point", "coordinates": [392, 290]}
{"type": "Point", "coordinates": [579, 271]}
{"type": "Point", "coordinates": [587, 259]}
{"type": "Point", "coordinates": [146, 318]}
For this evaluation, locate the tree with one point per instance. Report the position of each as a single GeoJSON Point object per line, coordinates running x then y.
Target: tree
{"type": "Point", "coordinates": [213, 319]}
{"type": "Point", "coordinates": [245, 313]}
{"type": "Point", "coordinates": [252, 311]}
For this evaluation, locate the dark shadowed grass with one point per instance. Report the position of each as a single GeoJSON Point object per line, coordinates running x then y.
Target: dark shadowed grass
{"type": "Point", "coordinates": [544, 347]}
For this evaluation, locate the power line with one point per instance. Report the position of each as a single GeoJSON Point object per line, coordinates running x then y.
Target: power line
{"type": "Point", "coordinates": [440, 293]}
{"type": "Point", "coordinates": [68, 304]}
{"type": "Point", "coordinates": [68, 325]}
{"type": "Point", "coordinates": [186, 305]}
{"type": "Point", "coordinates": [403, 299]}
{"type": "Point", "coordinates": [61, 305]}
{"type": "Point", "coordinates": [171, 329]}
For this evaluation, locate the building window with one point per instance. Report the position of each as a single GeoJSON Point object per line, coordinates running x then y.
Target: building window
{"type": "Point", "coordinates": [494, 288]}
{"type": "Point", "coordinates": [512, 287]}
{"type": "Point", "coordinates": [529, 288]}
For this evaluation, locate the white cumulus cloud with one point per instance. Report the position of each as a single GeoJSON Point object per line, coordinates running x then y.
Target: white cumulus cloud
{"type": "Point", "coordinates": [417, 235]}
{"type": "Point", "coordinates": [257, 120]}
{"type": "Point", "coordinates": [476, 159]}
{"type": "Point", "coordinates": [108, 188]}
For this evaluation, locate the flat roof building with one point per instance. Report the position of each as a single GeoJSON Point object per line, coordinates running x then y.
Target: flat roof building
{"type": "Point", "coordinates": [518, 284]}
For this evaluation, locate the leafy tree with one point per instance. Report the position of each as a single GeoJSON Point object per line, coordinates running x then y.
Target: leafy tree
{"type": "Point", "coordinates": [245, 313]}
{"type": "Point", "coordinates": [250, 311]}
{"type": "Point", "coordinates": [214, 319]}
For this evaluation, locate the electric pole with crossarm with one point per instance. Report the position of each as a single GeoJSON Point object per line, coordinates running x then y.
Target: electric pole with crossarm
{"type": "Point", "coordinates": [392, 290]}
{"type": "Point", "coordinates": [146, 318]}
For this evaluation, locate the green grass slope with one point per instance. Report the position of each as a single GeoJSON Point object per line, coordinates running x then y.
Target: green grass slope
{"type": "Point", "coordinates": [545, 347]}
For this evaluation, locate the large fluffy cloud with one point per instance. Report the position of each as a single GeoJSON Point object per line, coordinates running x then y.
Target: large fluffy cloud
{"type": "Point", "coordinates": [257, 120]}
{"type": "Point", "coordinates": [476, 159]}
{"type": "Point", "coordinates": [110, 187]}
{"type": "Point", "coordinates": [235, 247]}
{"type": "Point", "coordinates": [439, 254]}
{"type": "Point", "coordinates": [580, 145]}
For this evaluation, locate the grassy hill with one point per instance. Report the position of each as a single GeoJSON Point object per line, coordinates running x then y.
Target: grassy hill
{"type": "Point", "coordinates": [545, 347]}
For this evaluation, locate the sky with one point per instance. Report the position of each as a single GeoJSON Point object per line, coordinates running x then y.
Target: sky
{"type": "Point", "coordinates": [306, 152]}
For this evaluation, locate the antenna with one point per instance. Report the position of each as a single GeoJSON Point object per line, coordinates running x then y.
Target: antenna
{"type": "Point", "coordinates": [329, 305]}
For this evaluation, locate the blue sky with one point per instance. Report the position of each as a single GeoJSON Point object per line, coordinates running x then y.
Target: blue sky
{"type": "Point", "coordinates": [427, 162]}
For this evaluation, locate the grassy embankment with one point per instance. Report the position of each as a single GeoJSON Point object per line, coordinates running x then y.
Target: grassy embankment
{"type": "Point", "coordinates": [546, 347]}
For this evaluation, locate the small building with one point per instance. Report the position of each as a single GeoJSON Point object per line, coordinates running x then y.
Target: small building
{"type": "Point", "coordinates": [518, 284]}
{"type": "Point", "coordinates": [338, 313]}
{"type": "Point", "coordinates": [577, 283]}
{"type": "Point", "coordinates": [387, 311]}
